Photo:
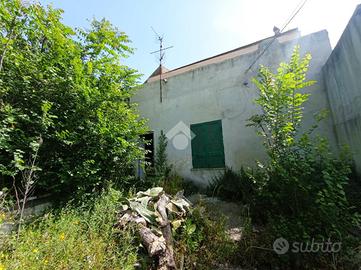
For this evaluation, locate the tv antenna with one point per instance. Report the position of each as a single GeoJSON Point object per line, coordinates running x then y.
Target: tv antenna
{"type": "Point", "coordinates": [161, 53]}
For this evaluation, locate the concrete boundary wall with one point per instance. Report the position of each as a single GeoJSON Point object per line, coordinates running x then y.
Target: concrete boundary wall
{"type": "Point", "coordinates": [342, 76]}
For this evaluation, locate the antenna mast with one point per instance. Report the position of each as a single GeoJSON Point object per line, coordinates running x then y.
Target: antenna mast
{"type": "Point", "coordinates": [160, 58]}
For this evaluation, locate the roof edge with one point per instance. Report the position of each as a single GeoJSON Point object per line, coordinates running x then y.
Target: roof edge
{"type": "Point", "coordinates": [294, 30]}
{"type": "Point", "coordinates": [236, 49]}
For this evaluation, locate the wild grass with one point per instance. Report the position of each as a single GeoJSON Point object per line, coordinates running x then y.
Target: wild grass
{"type": "Point", "coordinates": [81, 237]}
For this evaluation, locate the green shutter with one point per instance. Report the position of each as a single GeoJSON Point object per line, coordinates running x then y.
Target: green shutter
{"type": "Point", "coordinates": [207, 145]}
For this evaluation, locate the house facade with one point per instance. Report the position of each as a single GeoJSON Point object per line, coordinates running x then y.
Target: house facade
{"type": "Point", "coordinates": [203, 107]}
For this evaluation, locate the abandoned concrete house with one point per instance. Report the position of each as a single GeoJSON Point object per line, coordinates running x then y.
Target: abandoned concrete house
{"type": "Point", "coordinates": [203, 107]}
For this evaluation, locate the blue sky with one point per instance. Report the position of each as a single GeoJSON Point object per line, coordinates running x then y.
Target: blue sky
{"type": "Point", "coordinates": [201, 28]}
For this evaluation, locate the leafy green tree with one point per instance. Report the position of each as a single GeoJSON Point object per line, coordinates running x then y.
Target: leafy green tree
{"type": "Point", "coordinates": [300, 191]}
{"type": "Point", "coordinates": [281, 100]}
{"type": "Point", "coordinates": [91, 130]}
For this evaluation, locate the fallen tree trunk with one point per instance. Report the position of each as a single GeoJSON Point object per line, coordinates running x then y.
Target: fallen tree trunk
{"type": "Point", "coordinates": [167, 262]}
{"type": "Point", "coordinates": [155, 245]}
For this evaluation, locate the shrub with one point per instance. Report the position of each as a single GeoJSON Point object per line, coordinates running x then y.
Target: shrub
{"type": "Point", "coordinates": [202, 242]}
{"type": "Point", "coordinates": [308, 185]}
{"type": "Point", "coordinates": [303, 200]}
{"type": "Point", "coordinates": [353, 191]}
{"type": "Point", "coordinates": [82, 237]}
{"type": "Point", "coordinates": [233, 186]}
{"type": "Point", "coordinates": [162, 167]}
{"type": "Point", "coordinates": [175, 183]}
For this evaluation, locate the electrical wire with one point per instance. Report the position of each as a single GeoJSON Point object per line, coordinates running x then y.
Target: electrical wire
{"type": "Point", "coordinates": [292, 16]}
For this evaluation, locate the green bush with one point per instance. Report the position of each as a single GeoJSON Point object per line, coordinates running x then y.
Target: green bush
{"type": "Point", "coordinates": [175, 183]}
{"type": "Point", "coordinates": [82, 237]}
{"type": "Point", "coordinates": [353, 191]}
{"type": "Point", "coordinates": [307, 186]}
{"type": "Point", "coordinates": [202, 242]}
{"type": "Point", "coordinates": [69, 88]}
{"type": "Point", "coordinates": [233, 186]}
{"type": "Point", "coordinates": [161, 165]}
{"type": "Point", "coordinates": [302, 199]}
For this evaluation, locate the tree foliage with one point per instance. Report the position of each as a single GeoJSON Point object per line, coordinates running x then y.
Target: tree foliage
{"type": "Point", "coordinates": [300, 192]}
{"type": "Point", "coordinates": [281, 99]}
{"type": "Point", "coordinates": [69, 87]}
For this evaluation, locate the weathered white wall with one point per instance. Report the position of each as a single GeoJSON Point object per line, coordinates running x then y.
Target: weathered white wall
{"type": "Point", "coordinates": [342, 74]}
{"type": "Point", "coordinates": [217, 91]}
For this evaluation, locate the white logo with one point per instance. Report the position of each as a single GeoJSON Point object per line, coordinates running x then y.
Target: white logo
{"type": "Point", "coordinates": [180, 135]}
{"type": "Point", "coordinates": [281, 246]}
